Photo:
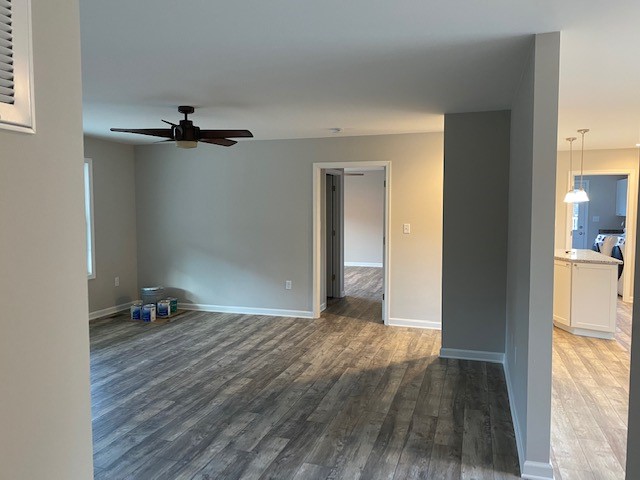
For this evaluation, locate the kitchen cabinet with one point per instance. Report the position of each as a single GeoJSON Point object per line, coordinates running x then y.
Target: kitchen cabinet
{"type": "Point", "coordinates": [621, 197]}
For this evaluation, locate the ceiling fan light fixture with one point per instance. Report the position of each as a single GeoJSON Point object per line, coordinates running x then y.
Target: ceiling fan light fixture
{"type": "Point", "coordinates": [186, 143]}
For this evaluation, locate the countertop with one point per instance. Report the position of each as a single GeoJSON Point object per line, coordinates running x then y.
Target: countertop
{"type": "Point", "coordinates": [585, 256]}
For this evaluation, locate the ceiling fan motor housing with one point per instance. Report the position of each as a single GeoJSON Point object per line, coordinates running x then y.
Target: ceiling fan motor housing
{"type": "Point", "coordinates": [186, 132]}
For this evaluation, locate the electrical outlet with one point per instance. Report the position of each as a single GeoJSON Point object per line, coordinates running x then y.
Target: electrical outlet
{"type": "Point", "coordinates": [287, 285]}
{"type": "Point", "coordinates": [117, 281]}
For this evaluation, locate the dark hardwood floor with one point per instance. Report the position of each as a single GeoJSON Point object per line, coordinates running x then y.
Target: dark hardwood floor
{"type": "Point", "coordinates": [254, 397]}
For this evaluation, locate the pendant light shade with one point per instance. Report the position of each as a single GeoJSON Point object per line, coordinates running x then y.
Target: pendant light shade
{"type": "Point", "coordinates": [577, 195]}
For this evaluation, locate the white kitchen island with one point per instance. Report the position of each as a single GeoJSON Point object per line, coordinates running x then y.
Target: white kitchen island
{"type": "Point", "coordinates": [585, 293]}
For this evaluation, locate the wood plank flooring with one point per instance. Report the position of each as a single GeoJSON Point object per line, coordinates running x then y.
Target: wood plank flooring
{"type": "Point", "coordinates": [590, 403]}
{"type": "Point", "coordinates": [254, 397]}
{"type": "Point", "coordinates": [363, 289]}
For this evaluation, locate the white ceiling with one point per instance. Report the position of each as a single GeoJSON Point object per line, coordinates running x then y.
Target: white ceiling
{"type": "Point", "coordinates": [295, 69]}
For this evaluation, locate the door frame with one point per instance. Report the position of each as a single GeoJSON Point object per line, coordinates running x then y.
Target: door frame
{"type": "Point", "coordinates": [630, 242]}
{"type": "Point", "coordinates": [338, 213]}
{"type": "Point", "coordinates": [316, 251]}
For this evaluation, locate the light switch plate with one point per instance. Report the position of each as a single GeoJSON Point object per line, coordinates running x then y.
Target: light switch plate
{"type": "Point", "coordinates": [406, 228]}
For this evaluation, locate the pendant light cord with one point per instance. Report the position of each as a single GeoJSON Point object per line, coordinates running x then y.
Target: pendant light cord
{"type": "Point", "coordinates": [582, 131]}
{"type": "Point", "coordinates": [571, 140]}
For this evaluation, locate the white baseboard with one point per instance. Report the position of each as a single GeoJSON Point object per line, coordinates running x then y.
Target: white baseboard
{"type": "Point", "coordinates": [477, 355]}
{"type": "Point", "coordinates": [323, 306]}
{"type": "Point", "coordinates": [536, 471]}
{"type": "Point", "coordinates": [514, 417]}
{"type": "Point", "coordinates": [584, 332]}
{"type": "Point", "coordinates": [409, 322]}
{"type": "Point", "coordinates": [528, 469]}
{"type": "Point", "coordinates": [272, 312]}
{"type": "Point", "coordinates": [363, 264]}
{"type": "Point", "coordinates": [105, 312]}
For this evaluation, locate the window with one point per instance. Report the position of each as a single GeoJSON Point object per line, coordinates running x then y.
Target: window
{"type": "Point", "coordinates": [16, 80]}
{"type": "Point", "coordinates": [88, 211]}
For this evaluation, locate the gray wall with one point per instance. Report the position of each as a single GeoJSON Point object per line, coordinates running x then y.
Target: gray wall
{"type": "Point", "coordinates": [114, 204]}
{"type": "Point", "coordinates": [633, 432]}
{"type": "Point", "coordinates": [530, 252]}
{"type": "Point", "coordinates": [228, 226]}
{"type": "Point", "coordinates": [474, 264]}
{"type": "Point", "coordinates": [45, 416]}
{"type": "Point", "coordinates": [363, 217]}
{"type": "Point", "coordinates": [602, 203]}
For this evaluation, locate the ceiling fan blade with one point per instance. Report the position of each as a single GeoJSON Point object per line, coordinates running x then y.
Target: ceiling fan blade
{"type": "Point", "coordinates": [170, 123]}
{"type": "Point", "coordinates": [225, 134]}
{"type": "Point", "coordinates": [154, 132]}
{"type": "Point", "coordinates": [225, 142]}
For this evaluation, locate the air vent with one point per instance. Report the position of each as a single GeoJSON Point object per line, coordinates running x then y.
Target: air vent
{"type": "Point", "coordinates": [7, 91]}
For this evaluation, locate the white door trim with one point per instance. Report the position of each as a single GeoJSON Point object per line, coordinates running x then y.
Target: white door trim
{"type": "Point", "coordinates": [632, 201]}
{"type": "Point", "coordinates": [317, 231]}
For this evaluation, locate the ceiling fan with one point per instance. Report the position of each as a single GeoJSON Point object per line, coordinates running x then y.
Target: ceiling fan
{"type": "Point", "coordinates": [187, 135]}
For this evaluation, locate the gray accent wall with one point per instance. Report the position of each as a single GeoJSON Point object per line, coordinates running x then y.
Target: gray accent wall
{"type": "Point", "coordinates": [45, 409]}
{"type": "Point", "coordinates": [532, 171]}
{"type": "Point", "coordinates": [474, 255]}
{"type": "Point", "coordinates": [228, 226]}
{"type": "Point", "coordinates": [114, 206]}
{"type": "Point", "coordinates": [633, 432]}
{"type": "Point", "coordinates": [364, 217]}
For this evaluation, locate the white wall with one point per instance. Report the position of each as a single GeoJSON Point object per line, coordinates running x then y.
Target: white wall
{"type": "Point", "coordinates": [364, 218]}
{"type": "Point", "coordinates": [45, 417]}
{"type": "Point", "coordinates": [534, 117]}
{"type": "Point", "coordinates": [228, 226]}
{"type": "Point", "coordinates": [114, 202]}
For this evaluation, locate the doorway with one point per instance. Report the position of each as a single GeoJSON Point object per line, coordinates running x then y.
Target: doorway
{"type": "Point", "coordinates": [328, 248]}
{"type": "Point", "coordinates": [605, 221]}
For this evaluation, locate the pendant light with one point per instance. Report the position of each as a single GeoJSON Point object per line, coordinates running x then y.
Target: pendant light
{"type": "Point", "coordinates": [580, 195]}
{"type": "Point", "coordinates": [571, 194]}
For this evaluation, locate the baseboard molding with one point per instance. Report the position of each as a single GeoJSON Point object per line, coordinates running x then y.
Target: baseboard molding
{"type": "Point", "coordinates": [272, 312]}
{"type": "Point", "coordinates": [323, 306]}
{"type": "Point", "coordinates": [412, 323]}
{"type": "Point", "coordinates": [584, 332]}
{"type": "Point", "coordinates": [477, 355]}
{"type": "Point", "coordinates": [105, 312]}
{"type": "Point", "coordinates": [514, 417]}
{"type": "Point", "coordinates": [363, 264]}
{"type": "Point", "coordinates": [536, 471]}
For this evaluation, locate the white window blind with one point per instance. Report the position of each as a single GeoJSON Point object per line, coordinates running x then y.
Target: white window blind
{"type": "Point", "coordinates": [7, 91]}
{"type": "Point", "coordinates": [16, 80]}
